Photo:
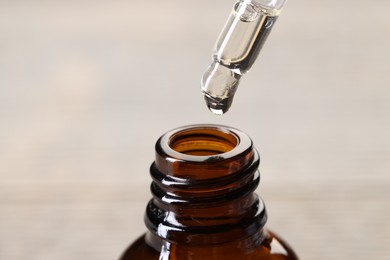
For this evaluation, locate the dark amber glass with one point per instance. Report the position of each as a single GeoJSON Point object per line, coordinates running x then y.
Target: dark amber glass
{"type": "Point", "coordinates": [204, 206]}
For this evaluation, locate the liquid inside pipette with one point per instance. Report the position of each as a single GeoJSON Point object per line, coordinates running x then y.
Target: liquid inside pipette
{"type": "Point", "coordinates": [235, 52]}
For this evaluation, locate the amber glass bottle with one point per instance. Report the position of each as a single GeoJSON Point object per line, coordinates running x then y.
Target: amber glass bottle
{"type": "Point", "coordinates": [204, 206]}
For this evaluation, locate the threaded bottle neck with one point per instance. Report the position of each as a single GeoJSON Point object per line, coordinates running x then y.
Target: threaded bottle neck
{"type": "Point", "coordinates": [204, 178]}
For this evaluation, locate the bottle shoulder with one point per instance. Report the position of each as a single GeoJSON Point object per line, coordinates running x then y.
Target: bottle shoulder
{"type": "Point", "coordinates": [271, 248]}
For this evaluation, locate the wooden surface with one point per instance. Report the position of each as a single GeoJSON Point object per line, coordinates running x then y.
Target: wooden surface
{"type": "Point", "coordinates": [87, 87]}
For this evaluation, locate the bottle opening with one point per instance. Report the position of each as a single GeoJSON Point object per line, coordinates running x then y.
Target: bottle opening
{"type": "Point", "coordinates": [203, 152]}
{"type": "Point", "coordinates": [203, 141]}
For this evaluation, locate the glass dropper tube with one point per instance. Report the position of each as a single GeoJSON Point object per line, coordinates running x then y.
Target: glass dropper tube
{"type": "Point", "coordinates": [236, 49]}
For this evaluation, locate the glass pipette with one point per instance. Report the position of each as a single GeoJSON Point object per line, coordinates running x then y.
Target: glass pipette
{"type": "Point", "coordinates": [237, 48]}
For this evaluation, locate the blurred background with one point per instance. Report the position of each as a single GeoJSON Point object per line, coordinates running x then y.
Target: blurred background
{"type": "Point", "coordinates": [87, 87]}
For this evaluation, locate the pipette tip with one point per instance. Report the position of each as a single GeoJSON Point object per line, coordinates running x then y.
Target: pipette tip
{"type": "Point", "coordinates": [217, 106]}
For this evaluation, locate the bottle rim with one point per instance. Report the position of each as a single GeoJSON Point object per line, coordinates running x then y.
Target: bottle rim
{"type": "Point", "coordinates": [229, 142]}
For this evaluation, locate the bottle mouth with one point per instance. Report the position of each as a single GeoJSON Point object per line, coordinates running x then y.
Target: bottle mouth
{"type": "Point", "coordinates": [203, 141]}
{"type": "Point", "coordinates": [203, 151]}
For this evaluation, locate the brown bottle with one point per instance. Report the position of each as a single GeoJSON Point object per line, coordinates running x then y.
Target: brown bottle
{"type": "Point", "coordinates": [204, 206]}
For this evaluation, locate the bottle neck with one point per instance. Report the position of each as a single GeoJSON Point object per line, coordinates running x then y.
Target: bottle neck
{"type": "Point", "coordinates": [204, 178]}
